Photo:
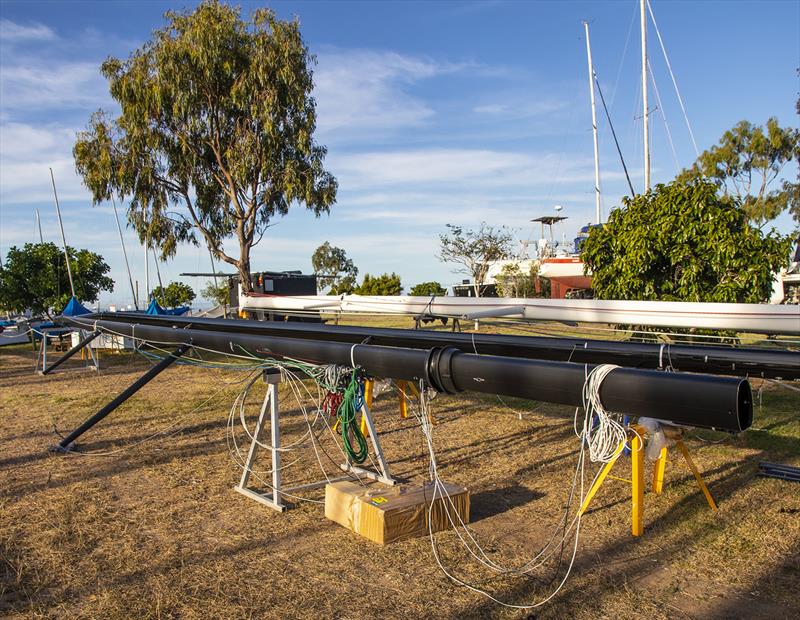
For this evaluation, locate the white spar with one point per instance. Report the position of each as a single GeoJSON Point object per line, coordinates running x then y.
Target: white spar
{"type": "Point", "coordinates": [758, 318]}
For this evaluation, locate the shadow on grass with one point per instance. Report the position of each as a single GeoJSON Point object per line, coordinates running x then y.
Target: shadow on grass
{"type": "Point", "coordinates": [490, 503]}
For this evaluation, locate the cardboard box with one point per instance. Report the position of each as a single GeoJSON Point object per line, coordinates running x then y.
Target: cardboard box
{"type": "Point", "coordinates": [385, 514]}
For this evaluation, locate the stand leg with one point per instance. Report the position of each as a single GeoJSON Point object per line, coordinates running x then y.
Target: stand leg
{"type": "Point", "coordinates": [401, 387]}
{"type": "Point", "coordinates": [637, 485]}
{"type": "Point", "coordinates": [697, 476]}
{"type": "Point", "coordinates": [276, 443]}
{"type": "Point", "coordinates": [658, 471]}
{"type": "Point", "coordinates": [273, 499]}
{"type": "Point", "coordinates": [384, 476]}
{"type": "Point", "coordinates": [596, 486]}
{"type": "Point", "coordinates": [251, 454]}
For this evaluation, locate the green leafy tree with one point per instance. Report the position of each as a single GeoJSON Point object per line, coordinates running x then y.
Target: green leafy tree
{"type": "Point", "coordinates": [513, 282]}
{"type": "Point", "coordinates": [747, 163]}
{"type": "Point", "coordinates": [35, 278]}
{"type": "Point", "coordinates": [473, 250]}
{"type": "Point", "coordinates": [427, 289]}
{"type": "Point", "coordinates": [218, 293]}
{"type": "Point", "coordinates": [215, 137]}
{"type": "Point", "coordinates": [334, 269]}
{"type": "Point", "coordinates": [174, 294]}
{"type": "Point", "coordinates": [386, 284]}
{"type": "Point", "coordinates": [683, 242]}
{"type": "Point", "coordinates": [793, 189]}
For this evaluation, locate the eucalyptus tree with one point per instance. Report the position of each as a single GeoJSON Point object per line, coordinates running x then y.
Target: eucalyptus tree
{"type": "Point", "coordinates": [215, 136]}
{"type": "Point", "coordinates": [747, 163]}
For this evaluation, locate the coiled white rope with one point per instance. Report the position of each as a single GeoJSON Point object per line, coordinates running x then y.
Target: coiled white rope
{"type": "Point", "coordinates": [602, 431]}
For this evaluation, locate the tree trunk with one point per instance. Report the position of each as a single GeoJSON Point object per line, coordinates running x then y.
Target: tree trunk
{"type": "Point", "coordinates": [244, 274]}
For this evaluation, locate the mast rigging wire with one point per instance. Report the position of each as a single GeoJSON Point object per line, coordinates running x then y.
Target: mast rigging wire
{"type": "Point", "coordinates": [614, 134]}
{"type": "Point", "coordinates": [672, 75]}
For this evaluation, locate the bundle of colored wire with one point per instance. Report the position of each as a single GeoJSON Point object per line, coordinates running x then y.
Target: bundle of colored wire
{"type": "Point", "coordinates": [352, 401]}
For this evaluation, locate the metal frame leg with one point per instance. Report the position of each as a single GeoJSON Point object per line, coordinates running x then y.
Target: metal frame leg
{"type": "Point", "coordinates": [384, 476]}
{"type": "Point", "coordinates": [273, 499]}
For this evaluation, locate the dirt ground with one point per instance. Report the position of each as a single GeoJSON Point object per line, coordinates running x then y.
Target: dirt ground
{"type": "Point", "coordinates": [143, 520]}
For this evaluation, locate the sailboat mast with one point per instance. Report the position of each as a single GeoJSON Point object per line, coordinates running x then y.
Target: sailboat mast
{"type": "Point", "coordinates": [125, 254]}
{"type": "Point", "coordinates": [645, 114]}
{"type": "Point", "coordinates": [63, 238]}
{"type": "Point", "coordinates": [39, 226]}
{"type": "Point", "coordinates": [594, 126]}
{"type": "Point", "coordinates": [158, 272]}
{"type": "Point", "coordinates": [147, 269]}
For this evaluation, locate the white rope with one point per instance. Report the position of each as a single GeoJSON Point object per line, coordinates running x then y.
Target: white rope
{"type": "Point", "coordinates": [606, 437]}
{"type": "Point", "coordinates": [563, 530]}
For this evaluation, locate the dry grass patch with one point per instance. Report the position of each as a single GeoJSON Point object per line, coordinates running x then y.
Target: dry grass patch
{"type": "Point", "coordinates": [154, 529]}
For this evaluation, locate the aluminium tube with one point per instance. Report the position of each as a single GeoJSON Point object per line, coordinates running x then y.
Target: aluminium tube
{"type": "Point", "coordinates": [705, 401]}
{"type": "Point", "coordinates": [737, 361]}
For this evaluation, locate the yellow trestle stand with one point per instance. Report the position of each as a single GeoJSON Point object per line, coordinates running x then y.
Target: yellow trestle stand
{"type": "Point", "coordinates": [637, 434]}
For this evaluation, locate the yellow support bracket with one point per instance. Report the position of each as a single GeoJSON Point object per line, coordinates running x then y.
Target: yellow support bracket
{"type": "Point", "coordinates": [700, 482]}
{"type": "Point", "coordinates": [402, 396]}
{"type": "Point", "coordinates": [368, 387]}
{"type": "Point", "coordinates": [637, 476]}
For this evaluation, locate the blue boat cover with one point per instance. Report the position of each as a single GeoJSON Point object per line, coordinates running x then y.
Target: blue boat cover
{"type": "Point", "coordinates": [74, 308]}
{"type": "Point", "coordinates": [155, 308]}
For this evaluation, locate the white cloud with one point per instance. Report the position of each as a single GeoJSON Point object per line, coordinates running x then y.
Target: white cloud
{"type": "Point", "coordinates": [519, 109]}
{"type": "Point", "coordinates": [26, 154]}
{"type": "Point", "coordinates": [36, 85]}
{"type": "Point", "coordinates": [12, 32]}
{"type": "Point", "coordinates": [472, 168]}
{"type": "Point", "coordinates": [362, 91]}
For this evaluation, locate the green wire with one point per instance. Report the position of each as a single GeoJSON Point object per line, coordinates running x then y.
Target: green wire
{"type": "Point", "coordinates": [352, 401]}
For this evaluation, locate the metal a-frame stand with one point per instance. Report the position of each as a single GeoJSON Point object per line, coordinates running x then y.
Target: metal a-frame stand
{"type": "Point", "coordinates": [275, 498]}
{"type": "Point", "coordinates": [86, 339]}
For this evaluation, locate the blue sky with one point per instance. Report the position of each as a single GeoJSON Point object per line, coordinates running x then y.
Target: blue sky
{"type": "Point", "coordinates": [433, 113]}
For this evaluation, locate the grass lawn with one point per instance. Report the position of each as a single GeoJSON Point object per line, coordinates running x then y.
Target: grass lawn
{"type": "Point", "coordinates": [143, 520]}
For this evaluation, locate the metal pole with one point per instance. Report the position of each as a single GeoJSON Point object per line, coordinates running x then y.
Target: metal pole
{"type": "Point", "coordinates": [63, 239]}
{"type": "Point", "coordinates": [124, 253]}
{"type": "Point", "coordinates": [645, 115]}
{"type": "Point", "coordinates": [64, 444]}
{"type": "Point", "coordinates": [146, 272]}
{"type": "Point", "coordinates": [594, 127]}
{"type": "Point", "coordinates": [71, 352]}
{"type": "Point", "coordinates": [39, 226]}
{"type": "Point", "coordinates": [158, 272]}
